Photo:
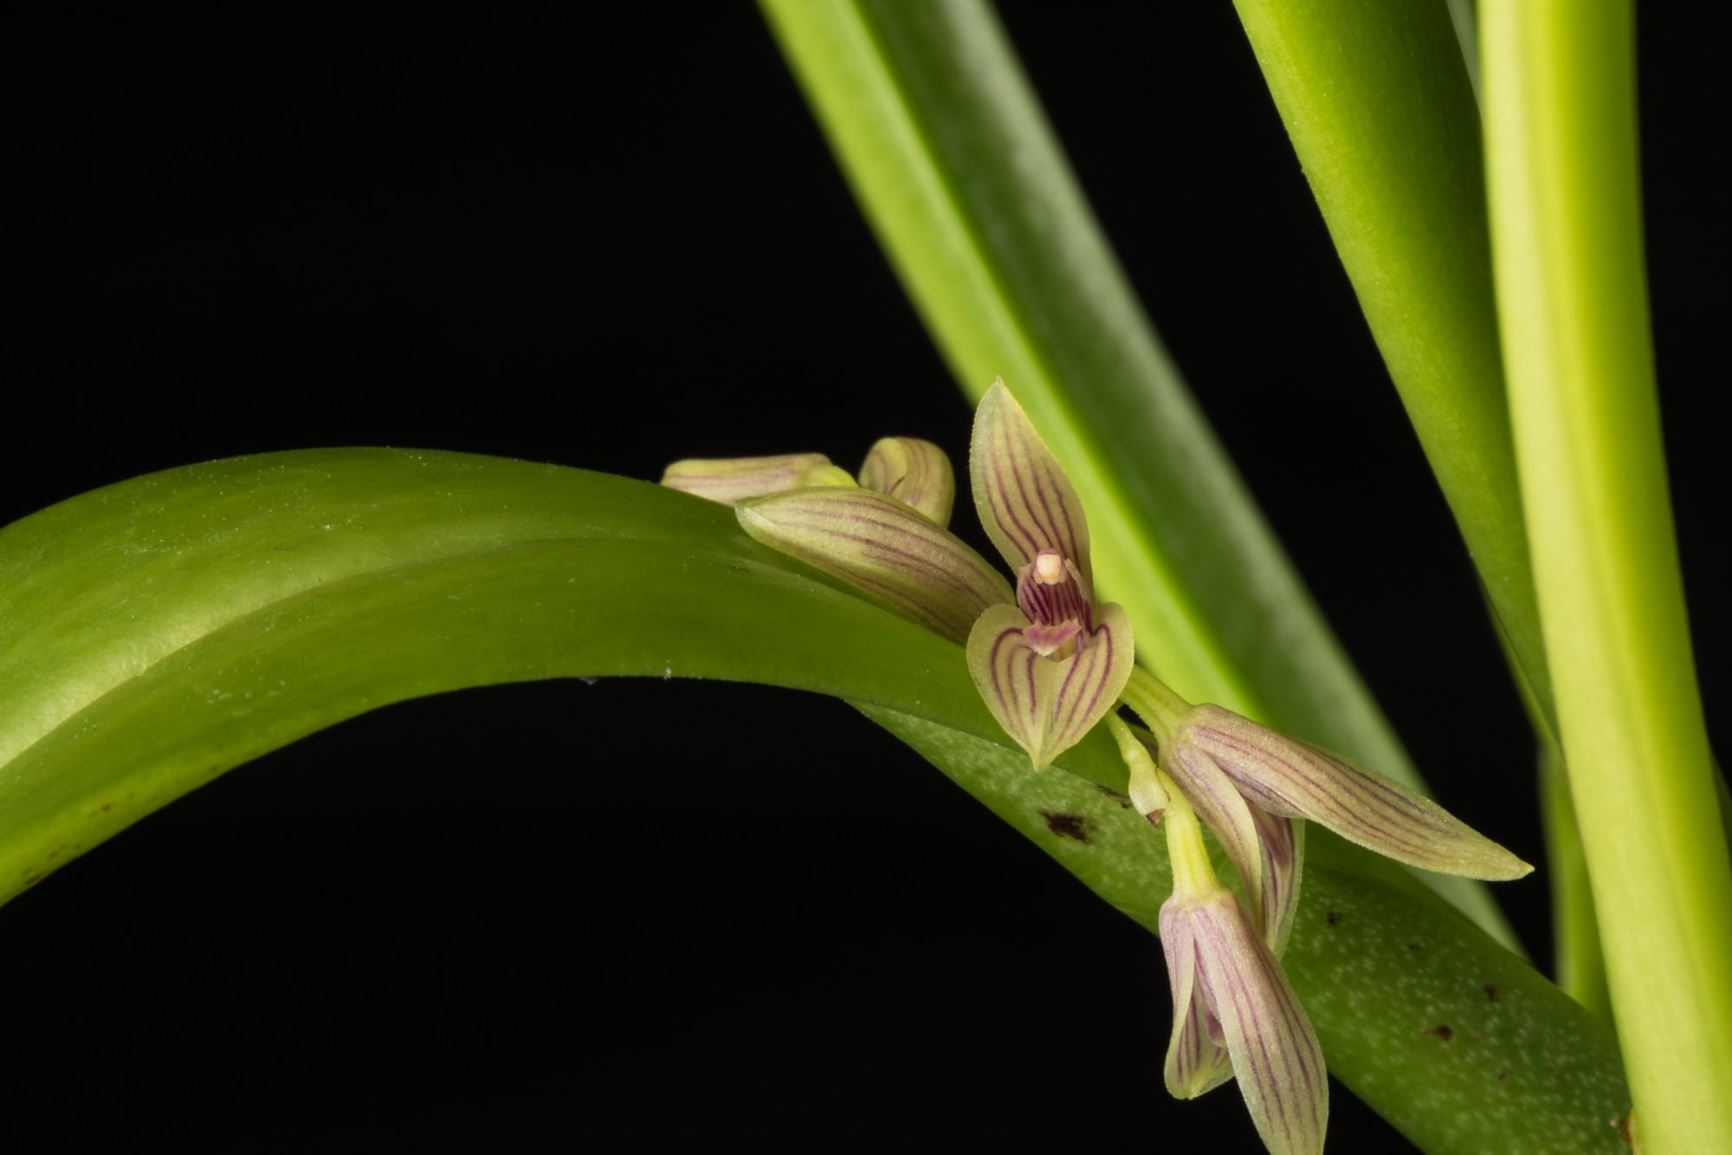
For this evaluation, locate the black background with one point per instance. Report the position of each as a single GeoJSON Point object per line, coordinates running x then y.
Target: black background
{"type": "Point", "coordinates": [610, 236]}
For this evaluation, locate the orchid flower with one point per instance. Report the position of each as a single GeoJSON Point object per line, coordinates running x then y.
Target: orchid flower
{"type": "Point", "coordinates": [1051, 662]}
{"type": "Point", "coordinates": [1234, 1012]}
{"type": "Point", "coordinates": [1053, 665]}
{"type": "Point", "coordinates": [887, 538]}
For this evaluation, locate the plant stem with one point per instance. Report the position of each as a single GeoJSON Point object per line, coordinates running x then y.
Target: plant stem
{"type": "Point", "coordinates": [1581, 967]}
{"type": "Point", "coordinates": [1156, 704]}
{"type": "Point", "coordinates": [1559, 90]}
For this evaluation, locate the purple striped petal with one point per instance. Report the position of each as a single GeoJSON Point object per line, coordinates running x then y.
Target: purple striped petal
{"type": "Point", "coordinates": [1269, 1040]}
{"type": "Point", "coordinates": [1089, 682]}
{"type": "Point", "coordinates": [1296, 780]}
{"type": "Point", "coordinates": [1012, 677]}
{"type": "Point", "coordinates": [1197, 1060]}
{"type": "Point", "coordinates": [1048, 704]}
{"type": "Point", "coordinates": [1025, 501]}
{"type": "Point", "coordinates": [1283, 843]}
{"type": "Point", "coordinates": [883, 548]}
{"type": "Point", "coordinates": [732, 479]}
{"type": "Point", "coordinates": [1264, 848]}
{"type": "Point", "coordinates": [913, 471]}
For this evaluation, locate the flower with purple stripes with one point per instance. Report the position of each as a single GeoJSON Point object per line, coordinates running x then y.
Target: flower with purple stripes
{"type": "Point", "coordinates": [1234, 1012]}
{"type": "Point", "coordinates": [1053, 665]}
{"type": "Point", "coordinates": [914, 472]}
{"type": "Point", "coordinates": [1252, 785]}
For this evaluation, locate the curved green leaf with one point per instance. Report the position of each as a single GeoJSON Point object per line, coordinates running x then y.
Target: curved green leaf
{"type": "Point", "coordinates": [947, 150]}
{"type": "Point", "coordinates": [166, 629]}
{"type": "Point", "coordinates": [158, 632]}
{"type": "Point", "coordinates": [1381, 110]}
{"type": "Point", "coordinates": [1418, 1011]}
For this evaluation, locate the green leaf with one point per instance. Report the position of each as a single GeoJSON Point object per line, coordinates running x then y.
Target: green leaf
{"type": "Point", "coordinates": [1560, 121]}
{"type": "Point", "coordinates": [158, 632]}
{"type": "Point", "coordinates": [166, 629]}
{"type": "Point", "coordinates": [953, 162]}
{"type": "Point", "coordinates": [1380, 107]}
{"type": "Point", "coordinates": [1418, 1011]}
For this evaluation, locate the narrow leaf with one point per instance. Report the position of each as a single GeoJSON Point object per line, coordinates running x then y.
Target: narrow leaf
{"type": "Point", "coordinates": [1564, 182]}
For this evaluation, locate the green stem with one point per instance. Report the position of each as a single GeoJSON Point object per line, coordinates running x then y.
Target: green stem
{"type": "Point", "coordinates": [1581, 967]}
{"type": "Point", "coordinates": [1155, 703]}
{"type": "Point", "coordinates": [1559, 88]}
{"type": "Point", "coordinates": [1187, 854]}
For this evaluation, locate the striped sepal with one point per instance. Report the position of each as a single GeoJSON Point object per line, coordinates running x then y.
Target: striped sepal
{"type": "Point", "coordinates": [1264, 848]}
{"type": "Point", "coordinates": [1297, 780]}
{"type": "Point", "coordinates": [732, 479]}
{"type": "Point", "coordinates": [1268, 1038]}
{"type": "Point", "coordinates": [883, 548]}
{"type": "Point", "coordinates": [1025, 501]}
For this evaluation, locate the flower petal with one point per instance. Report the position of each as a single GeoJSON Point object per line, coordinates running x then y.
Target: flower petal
{"type": "Point", "coordinates": [1025, 501]}
{"type": "Point", "coordinates": [1283, 842]}
{"type": "Point", "coordinates": [1263, 847]}
{"type": "Point", "coordinates": [1273, 1047]}
{"type": "Point", "coordinates": [885, 549]}
{"type": "Point", "coordinates": [1048, 705]}
{"type": "Point", "coordinates": [913, 471]}
{"type": "Point", "coordinates": [1297, 780]}
{"type": "Point", "coordinates": [731, 479]}
{"type": "Point", "coordinates": [1197, 1060]}
{"type": "Point", "coordinates": [1012, 677]}
{"type": "Point", "coordinates": [1088, 683]}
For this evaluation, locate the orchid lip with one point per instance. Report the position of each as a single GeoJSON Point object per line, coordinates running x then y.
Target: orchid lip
{"type": "Point", "coordinates": [1048, 640]}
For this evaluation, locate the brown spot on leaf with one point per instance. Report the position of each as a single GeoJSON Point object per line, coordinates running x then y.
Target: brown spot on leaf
{"type": "Point", "coordinates": [1331, 918]}
{"type": "Point", "coordinates": [1625, 1125]}
{"type": "Point", "coordinates": [1124, 802]}
{"type": "Point", "coordinates": [1551, 1072]}
{"type": "Point", "coordinates": [1502, 1075]}
{"type": "Point", "coordinates": [1414, 948]}
{"type": "Point", "coordinates": [1443, 1031]}
{"type": "Point", "coordinates": [1072, 826]}
{"type": "Point", "coordinates": [1490, 990]}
